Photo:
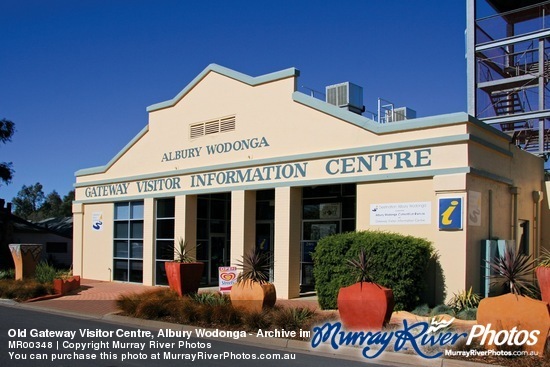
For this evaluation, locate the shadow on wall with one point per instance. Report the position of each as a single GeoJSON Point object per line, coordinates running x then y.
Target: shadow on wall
{"type": "Point", "coordinates": [435, 292]}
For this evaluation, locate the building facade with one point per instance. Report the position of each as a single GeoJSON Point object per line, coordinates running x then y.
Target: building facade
{"type": "Point", "coordinates": [235, 161]}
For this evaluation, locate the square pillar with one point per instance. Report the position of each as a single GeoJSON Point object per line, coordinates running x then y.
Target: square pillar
{"type": "Point", "coordinates": [243, 223]}
{"type": "Point", "coordinates": [149, 215]}
{"type": "Point", "coordinates": [288, 219]}
{"type": "Point", "coordinates": [186, 221]}
{"type": "Point", "coordinates": [78, 243]}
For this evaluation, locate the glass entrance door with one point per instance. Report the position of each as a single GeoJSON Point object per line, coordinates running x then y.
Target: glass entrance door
{"type": "Point", "coordinates": [264, 241]}
{"type": "Point", "coordinates": [218, 256]}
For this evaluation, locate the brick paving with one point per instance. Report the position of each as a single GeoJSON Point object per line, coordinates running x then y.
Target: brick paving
{"type": "Point", "coordinates": [97, 298]}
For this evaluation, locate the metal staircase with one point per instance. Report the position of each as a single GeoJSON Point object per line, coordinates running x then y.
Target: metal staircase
{"type": "Point", "coordinates": [512, 70]}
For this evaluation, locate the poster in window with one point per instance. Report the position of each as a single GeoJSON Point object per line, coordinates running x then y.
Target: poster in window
{"type": "Point", "coordinates": [329, 211]}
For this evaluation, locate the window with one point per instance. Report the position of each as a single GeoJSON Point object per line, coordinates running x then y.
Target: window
{"type": "Point", "coordinates": [128, 242]}
{"type": "Point", "coordinates": [326, 210]}
{"type": "Point", "coordinates": [164, 238]}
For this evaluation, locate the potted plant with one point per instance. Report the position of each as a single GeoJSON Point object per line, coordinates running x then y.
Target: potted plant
{"type": "Point", "coordinates": [543, 275]}
{"type": "Point", "coordinates": [253, 291]}
{"type": "Point", "coordinates": [364, 305]}
{"type": "Point", "coordinates": [513, 271]}
{"type": "Point", "coordinates": [65, 282]}
{"type": "Point", "coordinates": [184, 273]}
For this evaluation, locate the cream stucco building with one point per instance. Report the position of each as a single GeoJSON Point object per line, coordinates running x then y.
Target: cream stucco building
{"type": "Point", "coordinates": [235, 161]}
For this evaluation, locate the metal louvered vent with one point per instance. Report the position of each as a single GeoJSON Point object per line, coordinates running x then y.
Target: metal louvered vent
{"type": "Point", "coordinates": [211, 127]}
{"type": "Point", "coordinates": [221, 125]}
{"type": "Point", "coordinates": [227, 124]}
{"type": "Point", "coordinates": [196, 131]}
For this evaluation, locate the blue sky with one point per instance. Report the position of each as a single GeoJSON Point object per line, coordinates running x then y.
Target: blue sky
{"type": "Point", "coordinates": [77, 76]}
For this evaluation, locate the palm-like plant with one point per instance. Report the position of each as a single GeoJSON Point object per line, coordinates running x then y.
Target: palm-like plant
{"type": "Point", "coordinates": [362, 266]}
{"type": "Point", "coordinates": [544, 258]}
{"type": "Point", "coordinates": [255, 266]}
{"type": "Point", "coordinates": [514, 270]}
{"type": "Point", "coordinates": [181, 252]}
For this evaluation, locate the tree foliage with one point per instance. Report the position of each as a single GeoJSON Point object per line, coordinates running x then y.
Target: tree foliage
{"type": "Point", "coordinates": [7, 129]}
{"type": "Point", "coordinates": [32, 204]}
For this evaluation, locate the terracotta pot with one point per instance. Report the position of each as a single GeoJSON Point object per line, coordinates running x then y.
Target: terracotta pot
{"type": "Point", "coordinates": [543, 277]}
{"type": "Point", "coordinates": [64, 286]}
{"type": "Point", "coordinates": [184, 278]}
{"type": "Point", "coordinates": [253, 296]}
{"type": "Point", "coordinates": [365, 306]}
{"type": "Point", "coordinates": [511, 311]}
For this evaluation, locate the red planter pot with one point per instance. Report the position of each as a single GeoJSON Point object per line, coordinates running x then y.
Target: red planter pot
{"type": "Point", "coordinates": [64, 286]}
{"type": "Point", "coordinates": [365, 306]}
{"type": "Point", "coordinates": [184, 278]}
{"type": "Point", "coordinates": [543, 277]}
{"type": "Point", "coordinates": [253, 296]}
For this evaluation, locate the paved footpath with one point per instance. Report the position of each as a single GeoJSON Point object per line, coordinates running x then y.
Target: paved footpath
{"type": "Point", "coordinates": [99, 298]}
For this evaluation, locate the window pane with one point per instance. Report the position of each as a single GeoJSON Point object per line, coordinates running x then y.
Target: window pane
{"type": "Point", "coordinates": [122, 211]}
{"type": "Point", "coordinates": [136, 250]}
{"type": "Point", "coordinates": [165, 250]}
{"type": "Point", "coordinates": [121, 270]}
{"type": "Point", "coordinates": [121, 229]}
{"type": "Point", "coordinates": [202, 251]}
{"type": "Point", "coordinates": [217, 209]}
{"type": "Point", "coordinates": [217, 226]}
{"type": "Point", "coordinates": [202, 229]}
{"type": "Point", "coordinates": [166, 208]}
{"type": "Point", "coordinates": [160, 274]}
{"type": "Point", "coordinates": [121, 249]}
{"type": "Point", "coordinates": [265, 210]}
{"type": "Point", "coordinates": [165, 229]}
{"type": "Point", "coordinates": [137, 229]}
{"type": "Point", "coordinates": [348, 225]}
{"type": "Point", "coordinates": [136, 271]}
{"type": "Point", "coordinates": [202, 207]}
{"type": "Point", "coordinates": [137, 210]}
{"type": "Point", "coordinates": [311, 211]}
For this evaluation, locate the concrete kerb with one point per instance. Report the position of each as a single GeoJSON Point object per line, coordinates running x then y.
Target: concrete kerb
{"type": "Point", "coordinates": [286, 345]}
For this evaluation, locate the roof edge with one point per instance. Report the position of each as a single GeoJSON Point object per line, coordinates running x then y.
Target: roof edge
{"type": "Point", "coordinates": [103, 169]}
{"type": "Point", "coordinates": [247, 79]}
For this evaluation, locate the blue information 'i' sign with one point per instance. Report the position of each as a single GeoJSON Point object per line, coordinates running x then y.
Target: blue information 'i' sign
{"type": "Point", "coordinates": [450, 213]}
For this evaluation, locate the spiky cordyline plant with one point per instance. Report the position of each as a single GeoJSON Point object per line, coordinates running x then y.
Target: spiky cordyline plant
{"type": "Point", "coordinates": [181, 252]}
{"type": "Point", "coordinates": [544, 258]}
{"type": "Point", "coordinates": [513, 270]}
{"type": "Point", "coordinates": [362, 266]}
{"type": "Point", "coordinates": [255, 266]}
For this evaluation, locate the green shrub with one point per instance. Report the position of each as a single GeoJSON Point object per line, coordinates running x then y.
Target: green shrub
{"type": "Point", "coordinates": [467, 314]}
{"type": "Point", "coordinates": [399, 263]}
{"type": "Point", "coordinates": [7, 274]}
{"type": "Point", "coordinates": [422, 310]}
{"type": "Point", "coordinates": [46, 273]}
{"type": "Point", "coordinates": [442, 310]}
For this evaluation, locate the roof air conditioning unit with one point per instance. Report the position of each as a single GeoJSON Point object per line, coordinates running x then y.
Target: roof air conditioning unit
{"type": "Point", "coordinates": [400, 114]}
{"type": "Point", "coordinates": [346, 95]}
